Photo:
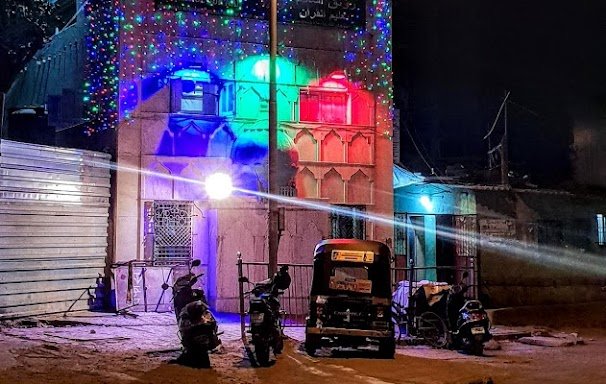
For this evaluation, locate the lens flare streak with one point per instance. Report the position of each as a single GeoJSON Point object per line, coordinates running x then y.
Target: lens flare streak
{"type": "Point", "coordinates": [557, 257]}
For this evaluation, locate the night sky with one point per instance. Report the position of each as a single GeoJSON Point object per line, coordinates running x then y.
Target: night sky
{"type": "Point", "coordinates": [455, 59]}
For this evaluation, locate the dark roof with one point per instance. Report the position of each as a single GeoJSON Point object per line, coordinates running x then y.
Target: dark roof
{"type": "Point", "coordinates": [57, 66]}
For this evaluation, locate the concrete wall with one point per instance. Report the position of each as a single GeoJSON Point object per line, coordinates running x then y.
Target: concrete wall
{"type": "Point", "coordinates": [245, 231]}
{"type": "Point", "coordinates": [519, 268]}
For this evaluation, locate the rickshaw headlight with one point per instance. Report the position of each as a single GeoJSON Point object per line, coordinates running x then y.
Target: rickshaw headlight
{"type": "Point", "coordinates": [319, 310]}
{"type": "Point", "coordinates": [320, 302]}
{"type": "Point", "coordinates": [380, 312]}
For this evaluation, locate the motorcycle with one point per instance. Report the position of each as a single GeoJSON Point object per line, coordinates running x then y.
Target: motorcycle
{"type": "Point", "coordinates": [197, 325]}
{"type": "Point", "coordinates": [265, 315]}
{"type": "Point", "coordinates": [468, 321]}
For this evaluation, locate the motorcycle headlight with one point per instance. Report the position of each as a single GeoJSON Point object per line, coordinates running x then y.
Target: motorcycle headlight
{"type": "Point", "coordinates": [257, 318]}
{"type": "Point", "coordinates": [207, 317]}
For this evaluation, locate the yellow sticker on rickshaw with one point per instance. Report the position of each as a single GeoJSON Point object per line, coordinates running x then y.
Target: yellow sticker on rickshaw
{"type": "Point", "coordinates": [352, 256]}
{"type": "Point", "coordinates": [353, 285]}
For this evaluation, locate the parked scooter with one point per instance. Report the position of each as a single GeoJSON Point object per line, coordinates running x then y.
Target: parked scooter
{"type": "Point", "coordinates": [467, 320]}
{"type": "Point", "coordinates": [265, 315]}
{"type": "Point", "coordinates": [197, 325]}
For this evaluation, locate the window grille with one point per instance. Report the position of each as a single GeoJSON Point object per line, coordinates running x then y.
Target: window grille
{"type": "Point", "coordinates": [400, 231]}
{"type": "Point", "coordinates": [172, 226]}
{"type": "Point", "coordinates": [465, 240]}
{"type": "Point", "coordinates": [348, 225]}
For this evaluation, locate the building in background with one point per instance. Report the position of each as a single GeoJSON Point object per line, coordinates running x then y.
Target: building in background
{"type": "Point", "coordinates": [521, 246]}
{"type": "Point", "coordinates": [46, 102]}
{"type": "Point", "coordinates": [184, 86]}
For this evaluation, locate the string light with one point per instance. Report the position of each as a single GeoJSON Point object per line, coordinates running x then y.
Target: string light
{"type": "Point", "coordinates": [157, 38]}
{"type": "Point", "coordinates": [102, 70]}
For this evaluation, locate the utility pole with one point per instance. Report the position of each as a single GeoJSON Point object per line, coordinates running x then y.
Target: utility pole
{"type": "Point", "coordinates": [503, 144]}
{"type": "Point", "coordinates": [272, 206]}
{"type": "Point", "coordinates": [504, 147]}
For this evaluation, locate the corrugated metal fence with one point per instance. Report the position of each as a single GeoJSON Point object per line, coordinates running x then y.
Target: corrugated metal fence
{"type": "Point", "coordinates": [53, 227]}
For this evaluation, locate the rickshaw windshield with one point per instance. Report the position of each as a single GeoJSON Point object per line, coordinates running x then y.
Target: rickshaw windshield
{"type": "Point", "coordinates": [351, 279]}
{"type": "Point", "coordinates": [351, 267]}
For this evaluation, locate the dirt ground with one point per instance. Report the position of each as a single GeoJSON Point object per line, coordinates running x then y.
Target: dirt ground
{"type": "Point", "coordinates": [42, 355]}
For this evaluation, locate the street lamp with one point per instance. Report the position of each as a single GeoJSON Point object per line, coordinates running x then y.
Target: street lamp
{"type": "Point", "coordinates": [218, 186]}
{"type": "Point", "coordinates": [272, 207]}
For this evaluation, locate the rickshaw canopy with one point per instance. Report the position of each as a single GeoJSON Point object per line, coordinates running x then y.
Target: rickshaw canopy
{"type": "Point", "coordinates": [363, 267]}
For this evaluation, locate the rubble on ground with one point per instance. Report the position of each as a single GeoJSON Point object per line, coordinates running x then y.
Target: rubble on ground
{"type": "Point", "coordinates": [547, 338]}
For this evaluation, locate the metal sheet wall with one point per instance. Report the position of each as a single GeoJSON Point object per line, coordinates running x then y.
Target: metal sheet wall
{"type": "Point", "coordinates": [54, 206]}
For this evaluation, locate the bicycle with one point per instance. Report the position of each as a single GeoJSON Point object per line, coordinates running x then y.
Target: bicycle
{"type": "Point", "coordinates": [428, 327]}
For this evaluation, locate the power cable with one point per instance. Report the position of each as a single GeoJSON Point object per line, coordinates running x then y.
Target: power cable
{"type": "Point", "coordinates": [432, 169]}
{"type": "Point", "coordinates": [494, 123]}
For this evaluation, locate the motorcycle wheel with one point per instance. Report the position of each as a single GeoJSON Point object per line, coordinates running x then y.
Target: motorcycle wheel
{"type": "Point", "coordinates": [204, 360]}
{"type": "Point", "coordinates": [197, 359]}
{"type": "Point", "coordinates": [262, 353]}
{"type": "Point", "coordinates": [310, 345]}
{"type": "Point", "coordinates": [279, 344]}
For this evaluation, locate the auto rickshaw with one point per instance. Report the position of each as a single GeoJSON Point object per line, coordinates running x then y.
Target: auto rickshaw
{"type": "Point", "coordinates": [350, 298]}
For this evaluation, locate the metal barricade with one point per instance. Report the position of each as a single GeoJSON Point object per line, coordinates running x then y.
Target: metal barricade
{"type": "Point", "coordinates": [295, 301]}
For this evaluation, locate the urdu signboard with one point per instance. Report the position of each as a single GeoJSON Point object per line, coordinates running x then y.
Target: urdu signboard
{"type": "Point", "coordinates": [504, 228]}
{"type": "Point", "coordinates": [330, 13]}
{"type": "Point", "coordinates": [336, 13]}
{"type": "Point", "coordinates": [223, 7]}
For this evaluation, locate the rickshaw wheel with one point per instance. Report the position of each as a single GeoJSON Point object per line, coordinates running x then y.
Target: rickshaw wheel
{"type": "Point", "coordinates": [433, 330]}
{"type": "Point", "coordinates": [310, 346]}
{"type": "Point", "coordinates": [387, 349]}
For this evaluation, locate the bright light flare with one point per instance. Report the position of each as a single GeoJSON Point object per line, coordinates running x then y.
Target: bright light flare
{"type": "Point", "coordinates": [426, 203]}
{"type": "Point", "coordinates": [219, 186]}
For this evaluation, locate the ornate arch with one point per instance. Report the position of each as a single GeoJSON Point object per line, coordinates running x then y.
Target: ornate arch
{"type": "Point", "coordinates": [359, 150]}
{"type": "Point", "coordinates": [333, 186]}
{"type": "Point", "coordinates": [359, 188]}
{"type": "Point", "coordinates": [332, 148]}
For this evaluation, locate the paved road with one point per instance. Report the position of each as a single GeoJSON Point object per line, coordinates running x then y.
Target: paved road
{"type": "Point", "coordinates": [101, 348]}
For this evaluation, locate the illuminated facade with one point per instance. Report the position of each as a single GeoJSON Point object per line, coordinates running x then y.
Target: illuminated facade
{"type": "Point", "coordinates": [191, 80]}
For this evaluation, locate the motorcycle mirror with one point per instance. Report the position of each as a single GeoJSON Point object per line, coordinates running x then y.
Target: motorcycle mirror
{"type": "Point", "coordinates": [243, 279]}
{"type": "Point", "coordinates": [196, 263]}
{"type": "Point", "coordinates": [165, 286]}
